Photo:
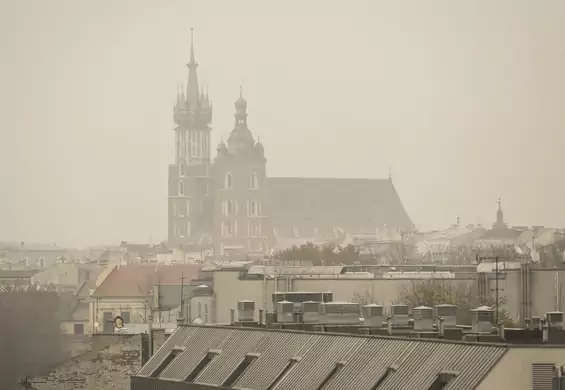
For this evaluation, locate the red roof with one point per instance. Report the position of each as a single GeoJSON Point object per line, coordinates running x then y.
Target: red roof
{"type": "Point", "coordinates": [137, 280]}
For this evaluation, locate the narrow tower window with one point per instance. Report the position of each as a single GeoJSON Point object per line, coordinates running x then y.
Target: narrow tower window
{"type": "Point", "coordinates": [181, 188]}
{"type": "Point", "coordinates": [253, 181]}
{"type": "Point", "coordinates": [228, 182]}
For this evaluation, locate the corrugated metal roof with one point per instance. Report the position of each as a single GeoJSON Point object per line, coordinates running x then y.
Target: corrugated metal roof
{"type": "Point", "coordinates": [415, 363]}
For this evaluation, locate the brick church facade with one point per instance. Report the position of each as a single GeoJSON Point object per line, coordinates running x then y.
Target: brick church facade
{"type": "Point", "coordinates": [229, 204]}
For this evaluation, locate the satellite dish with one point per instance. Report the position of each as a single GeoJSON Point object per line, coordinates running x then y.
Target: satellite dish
{"type": "Point", "coordinates": [119, 322]}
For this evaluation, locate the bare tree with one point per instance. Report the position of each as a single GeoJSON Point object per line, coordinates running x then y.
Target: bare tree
{"type": "Point", "coordinates": [434, 292]}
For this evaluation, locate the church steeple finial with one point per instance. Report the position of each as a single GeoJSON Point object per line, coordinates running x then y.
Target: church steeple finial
{"type": "Point", "coordinates": [241, 91]}
{"type": "Point", "coordinates": [192, 90]}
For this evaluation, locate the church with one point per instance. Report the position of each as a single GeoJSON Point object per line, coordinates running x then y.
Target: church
{"type": "Point", "coordinates": [230, 205]}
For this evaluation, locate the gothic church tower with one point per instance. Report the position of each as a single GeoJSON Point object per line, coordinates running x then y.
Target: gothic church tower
{"type": "Point", "coordinates": [190, 202]}
{"type": "Point", "coordinates": [240, 176]}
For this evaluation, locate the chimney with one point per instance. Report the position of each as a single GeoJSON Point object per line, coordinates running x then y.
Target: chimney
{"type": "Point", "coordinates": [544, 331]}
{"type": "Point", "coordinates": [180, 321]}
{"type": "Point", "coordinates": [150, 334]}
{"type": "Point", "coordinates": [232, 316]}
{"type": "Point", "coordinates": [440, 328]}
{"type": "Point", "coordinates": [260, 316]}
{"type": "Point", "coordinates": [389, 325]}
{"type": "Point", "coordinates": [501, 330]}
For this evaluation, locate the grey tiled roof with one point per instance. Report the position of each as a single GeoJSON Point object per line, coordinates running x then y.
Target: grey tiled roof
{"type": "Point", "coordinates": [324, 204]}
{"type": "Point", "coordinates": [365, 359]}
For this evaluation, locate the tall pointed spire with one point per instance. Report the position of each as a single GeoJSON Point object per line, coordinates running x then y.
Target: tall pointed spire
{"type": "Point", "coordinates": [192, 90]}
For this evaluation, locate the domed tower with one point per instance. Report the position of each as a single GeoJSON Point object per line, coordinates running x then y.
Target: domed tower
{"type": "Point", "coordinates": [190, 204]}
{"type": "Point", "coordinates": [240, 172]}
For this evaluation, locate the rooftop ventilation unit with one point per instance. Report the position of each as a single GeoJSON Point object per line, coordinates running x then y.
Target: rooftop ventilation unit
{"type": "Point", "coordinates": [448, 313]}
{"type": "Point", "coordinates": [423, 318]}
{"type": "Point", "coordinates": [311, 312]}
{"type": "Point", "coordinates": [555, 319]}
{"type": "Point", "coordinates": [399, 315]}
{"type": "Point", "coordinates": [340, 313]}
{"type": "Point", "coordinates": [373, 315]}
{"type": "Point", "coordinates": [482, 319]}
{"type": "Point", "coordinates": [246, 311]}
{"type": "Point", "coordinates": [285, 312]}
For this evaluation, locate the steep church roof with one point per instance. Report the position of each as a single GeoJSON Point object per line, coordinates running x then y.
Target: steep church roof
{"type": "Point", "coordinates": [353, 205]}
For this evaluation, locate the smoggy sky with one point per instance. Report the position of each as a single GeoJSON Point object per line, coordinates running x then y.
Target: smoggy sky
{"type": "Point", "coordinates": [464, 100]}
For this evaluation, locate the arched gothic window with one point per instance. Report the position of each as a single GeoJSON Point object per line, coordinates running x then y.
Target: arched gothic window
{"type": "Point", "coordinates": [181, 188]}
{"type": "Point", "coordinates": [253, 181]}
{"type": "Point", "coordinates": [228, 182]}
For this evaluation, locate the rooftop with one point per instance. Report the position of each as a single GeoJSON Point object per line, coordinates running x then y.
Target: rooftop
{"type": "Point", "coordinates": [307, 360]}
{"type": "Point", "coordinates": [137, 280]}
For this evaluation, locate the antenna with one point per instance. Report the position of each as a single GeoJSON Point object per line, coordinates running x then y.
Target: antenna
{"type": "Point", "coordinates": [182, 294]}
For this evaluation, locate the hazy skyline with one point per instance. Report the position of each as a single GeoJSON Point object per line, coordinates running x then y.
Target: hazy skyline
{"type": "Point", "coordinates": [464, 101]}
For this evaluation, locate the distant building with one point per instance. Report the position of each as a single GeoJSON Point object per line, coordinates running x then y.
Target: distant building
{"type": "Point", "coordinates": [136, 291]}
{"type": "Point", "coordinates": [229, 204]}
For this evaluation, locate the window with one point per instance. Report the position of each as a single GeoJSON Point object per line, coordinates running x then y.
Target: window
{"type": "Point", "coordinates": [240, 369]}
{"type": "Point", "coordinates": [188, 229]}
{"type": "Point", "coordinates": [228, 208]}
{"type": "Point", "coordinates": [193, 144]}
{"type": "Point", "coordinates": [388, 371]}
{"type": "Point", "coordinates": [202, 365]}
{"type": "Point", "coordinates": [284, 372]}
{"type": "Point", "coordinates": [333, 372]}
{"type": "Point", "coordinates": [181, 230]}
{"type": "Point", "coordinates": [170, 357]}
{"type": "Point", "coordinates": [126, 316]}
{"type": "Point", "coordinates": [253, 181]}
{"type": "Point", "coordinates": [181, 169]}
{"type": "Point", "coordinates": [442, 380]}
{"type": "Point", "coordinates": [228, 181]}
{"type": "Point", "coordinates": [181, 188]}
{"type": "Point", "coordinates": [253, 209]}
{"type": "Point", "coordinates": [78, 328]}
{"type": "Point", "coordinates": [42, 262]}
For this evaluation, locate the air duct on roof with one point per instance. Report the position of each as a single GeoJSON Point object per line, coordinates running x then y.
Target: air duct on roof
{"type": "Point", "coordinates": [246, 311]}
{"type": "Point", "coordinates": [373, 315]}
{"type": "Point", "coordinates": [311, 312]}
{"type": "Point", "coordinates": [483, 319]}
{"type": "Point", "coordinates": [399, 315]}
{"type": "Point", "coordinates": [448, 313]}
{"type": "Point", "coordinates": [555, 319]}
{"type": "Point", "coordinates": [284, 310]}
{"type": "Point", "coordinates": [423, 318]}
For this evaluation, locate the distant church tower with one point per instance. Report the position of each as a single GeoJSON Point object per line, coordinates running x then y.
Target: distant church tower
{"type": "Point", "coordinates": [240, 173]}
{"type": "Point", "coordinates": [190, 203]}
{"type": "Point", "coordinates": [499, 224]}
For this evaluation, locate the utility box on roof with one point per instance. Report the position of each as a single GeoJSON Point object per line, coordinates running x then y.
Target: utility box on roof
{"type": "Point", "coordinates": [399, 315]}
{"type": "Point", "coordinates": [373, 315]}
{"type": "Point", "coordinates": [284, 310]}
{"type": "Point", "coordinates": [482, 319]}
{"type": "Point", "coordinates": [448, 313]}
{"type": "Point", "coordinates": [555, 319]}
{"type": "Point", "coordinates": [311, 312]}
{"type": "Point", "coordinates": [246, 311]}
{"type": "Point", "coordinates": [423, 318]}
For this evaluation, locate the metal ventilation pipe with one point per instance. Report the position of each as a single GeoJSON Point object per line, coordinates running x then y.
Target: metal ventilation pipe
{"type": "Point", "coordinates": [232, 316]}
{"type": "Point", "coordinates": [544, 331]}
{"type": "Point", "coordinates": [440, 327]}
{"type": "Point", "coordinates": [260, 316]}
{"type": "Point", "coordinates": [389, 325]}
{"type": "Point", "coordinates": [501, 330]}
